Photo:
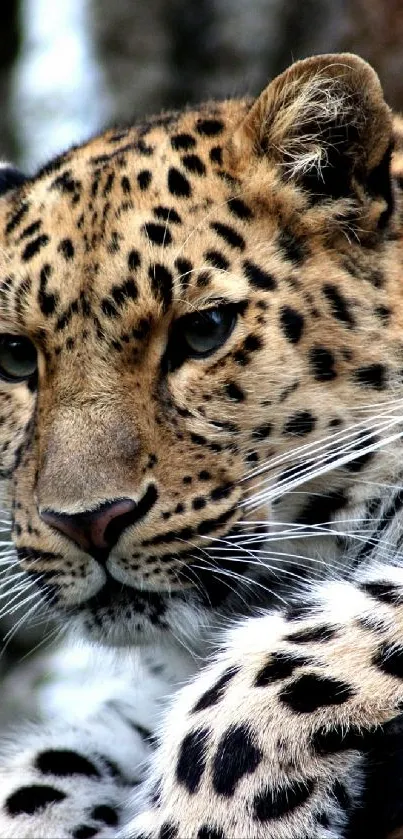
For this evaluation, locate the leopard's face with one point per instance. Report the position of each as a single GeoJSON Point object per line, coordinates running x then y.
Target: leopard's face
{"type": "Point", "coordinates": [176, 311]}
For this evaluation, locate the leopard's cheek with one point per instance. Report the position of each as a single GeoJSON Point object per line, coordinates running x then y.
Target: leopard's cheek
{"type": "Point", "coordinates": [17, 419]}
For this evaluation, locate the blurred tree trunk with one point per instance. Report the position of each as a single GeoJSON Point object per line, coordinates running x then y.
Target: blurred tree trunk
{"type": "Point", "coordinates": [163, 53]}
{"type": "Point", "coordinates": [132, 45]}
{"type": "Point", "coordinates": [375, 31]}
{"type": "Point", "coordinates": [168, 53]}
{"type": "Point", "coordinates": [9, 47]}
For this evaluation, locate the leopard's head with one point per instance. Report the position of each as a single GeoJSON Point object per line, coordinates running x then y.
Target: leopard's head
{"type": "Point", "coordinates": [190, 311]}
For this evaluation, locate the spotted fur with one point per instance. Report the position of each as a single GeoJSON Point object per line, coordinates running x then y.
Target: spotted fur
{"type": "Point", "coordinates": [159, 494]}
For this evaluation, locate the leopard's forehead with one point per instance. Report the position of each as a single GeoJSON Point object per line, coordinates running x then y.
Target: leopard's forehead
{"type": "Point", "coordinates": [148, 216]}
{"type": "Point", "coordinates": [145, 224]}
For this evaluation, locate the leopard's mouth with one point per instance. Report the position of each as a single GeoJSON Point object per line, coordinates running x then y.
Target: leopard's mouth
{"type": "Point", "coordinates": [207, 576]}
{"type": "Point", "coordinates": [119, 602]}
{"type": "Point", "coordinates": [207, 581]}
{"type": "Point", "coordinates": [117, 596]}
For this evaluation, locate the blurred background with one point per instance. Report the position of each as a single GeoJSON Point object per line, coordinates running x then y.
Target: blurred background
{"type": "Point", "coordinates": [68, 67]}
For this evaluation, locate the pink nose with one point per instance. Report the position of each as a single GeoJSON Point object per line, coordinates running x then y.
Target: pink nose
{"type": "Point", "coordinates": [96, 531]}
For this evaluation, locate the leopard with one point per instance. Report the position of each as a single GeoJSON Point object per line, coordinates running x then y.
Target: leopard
{"type": "Point", "coordinates": [201, 394]}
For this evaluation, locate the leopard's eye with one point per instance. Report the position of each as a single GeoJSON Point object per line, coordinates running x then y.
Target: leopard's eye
{"type": "Point", "coordinates": [204, 332]}
{"type": "Point", "coordinates": [18, 358]}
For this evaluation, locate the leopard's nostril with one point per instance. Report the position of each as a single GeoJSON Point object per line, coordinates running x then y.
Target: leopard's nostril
{"type": "Point", "coordinates": [96, 531]}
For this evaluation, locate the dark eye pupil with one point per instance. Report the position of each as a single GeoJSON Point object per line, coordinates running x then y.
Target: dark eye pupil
{"type": "Point", "coordinates": [206, 331]}
{"type": "Point", "coordinates": [18, 359]}
{"type": "Point", "coordinates": [205, 324]}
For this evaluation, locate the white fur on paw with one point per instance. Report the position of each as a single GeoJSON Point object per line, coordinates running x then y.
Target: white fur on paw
{"type": "Point", "coordinates": [52, 787]}
{"type": "Point", "coordinates": [66, 808]}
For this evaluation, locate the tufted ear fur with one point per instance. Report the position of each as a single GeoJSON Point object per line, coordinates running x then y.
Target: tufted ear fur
{"type": "Point", "coordinates": [10, 177]}
{"type": "Point", "coordinates": [324, 121]}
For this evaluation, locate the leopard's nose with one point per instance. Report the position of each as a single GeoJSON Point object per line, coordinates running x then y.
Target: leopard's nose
{"type": "Point", "coordinates": [96, 531]}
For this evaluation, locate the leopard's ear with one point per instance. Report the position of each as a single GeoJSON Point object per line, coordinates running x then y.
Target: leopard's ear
{"type": "Point", "coordinates": [325, 123]}
{"type": "Point", "coordinates": [10, 178]}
